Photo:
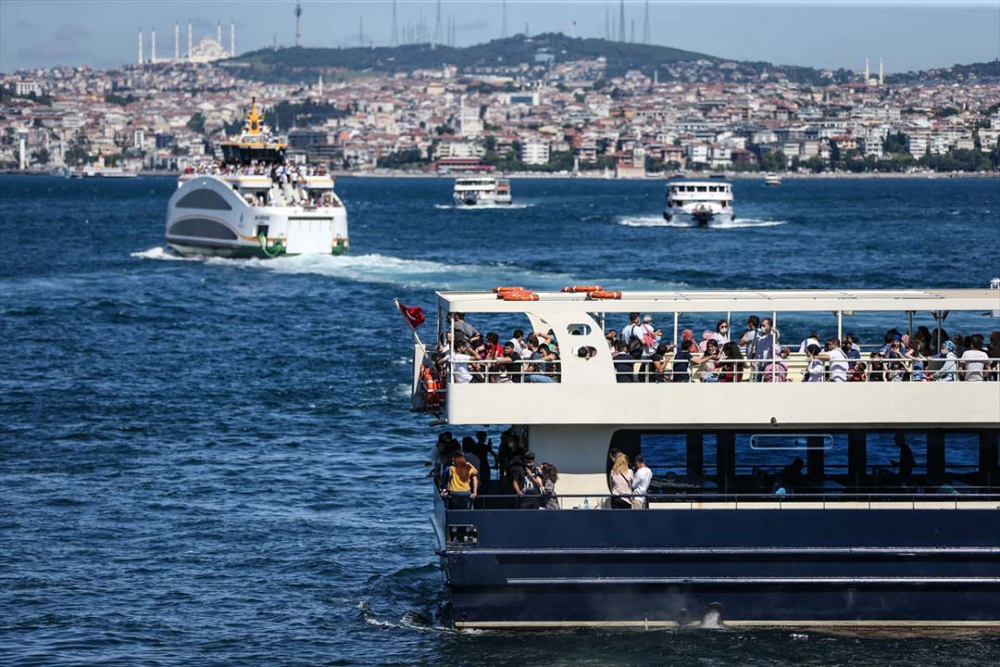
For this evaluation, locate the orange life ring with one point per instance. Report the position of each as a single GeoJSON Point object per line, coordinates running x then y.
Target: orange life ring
{"type": "Point", "coordinates": [519, 296]}
{"type": "Point", "coordinates": [501, 290]}
{"type": "Point", "coordinates": [432, 390]}
{"type": "Point", "coordinates": [604, 295]}
{"type": "Point", "coordinates": [576, 289]}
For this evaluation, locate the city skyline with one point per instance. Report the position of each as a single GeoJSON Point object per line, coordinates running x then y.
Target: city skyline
{"type": "Point", "coordinates": [906, 35]}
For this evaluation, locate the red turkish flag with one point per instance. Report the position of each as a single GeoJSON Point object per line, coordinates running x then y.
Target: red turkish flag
{"type": "Point", "coordinates": [414, 316]}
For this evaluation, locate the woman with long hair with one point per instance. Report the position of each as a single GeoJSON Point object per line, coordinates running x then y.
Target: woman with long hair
{"type": "Point", "coordinates": [550, 475]}
{"type": "Point", "coordinates": [731, 365]}
{"type": "Point", "coordinates": [621, 483]}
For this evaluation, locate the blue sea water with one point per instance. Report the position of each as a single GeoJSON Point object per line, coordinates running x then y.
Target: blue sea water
{"type": "Point", "coordinates": [212, 462]}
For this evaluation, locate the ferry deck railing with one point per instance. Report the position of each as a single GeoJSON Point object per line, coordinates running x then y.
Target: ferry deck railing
{"type": "Point", "coordinates": [794, 369]}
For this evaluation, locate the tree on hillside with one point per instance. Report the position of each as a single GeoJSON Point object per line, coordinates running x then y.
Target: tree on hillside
{"type": "Point", "coordinates": [197, 123]}
{"type": "Point", "coordinates": [78, 151]}
{"type": "Point", "coordinates": [41, 156]}
{"type": "Point", "coordinates": [894, 143]}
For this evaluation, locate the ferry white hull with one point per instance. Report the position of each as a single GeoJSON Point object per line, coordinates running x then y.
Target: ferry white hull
{"type": "Point", "coordinates": [206, 217]}
{"type": "Point", "coordinates": [482, 201]}
{"type": "Point", "coordinates": [699, 218]}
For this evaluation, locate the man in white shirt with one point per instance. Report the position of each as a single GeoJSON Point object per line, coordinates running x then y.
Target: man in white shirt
{"type": "Point", "coordinates": [812, 340]}
{"type": "Point", "coordinates": [837, 359]}
{"type": "Point", "coordinates": [975, 361]}
{"type": "Point", "coordinates": [640, 483]}
{"type": "Point", "coordinates": [460, 363]}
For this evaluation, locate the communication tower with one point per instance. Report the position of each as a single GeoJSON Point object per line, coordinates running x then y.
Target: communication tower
{"type": "Point", "coordinates": [621, 20]}
{"type": "Point", "coordinates": [298, 23]}
{"type": "Point", "coordinates": [646, 32]}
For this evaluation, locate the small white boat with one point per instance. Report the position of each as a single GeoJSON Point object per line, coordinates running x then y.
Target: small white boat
{"type": "Point", "coordinates": [482, 191]}
{"type": "Point", "coordinates": [699, 203]}
{"type": "Point", "coordinates": [255, 204]}
{"type": "Point", "coordinates": [770, 178]}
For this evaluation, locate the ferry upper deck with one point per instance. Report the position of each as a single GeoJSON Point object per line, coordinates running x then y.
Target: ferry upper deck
{"type": "Point", "coordinates": [588, 391]}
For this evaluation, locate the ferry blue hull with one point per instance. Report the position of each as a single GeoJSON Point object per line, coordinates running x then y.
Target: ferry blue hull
{"type": "Point", "coordinates": [798, 567]}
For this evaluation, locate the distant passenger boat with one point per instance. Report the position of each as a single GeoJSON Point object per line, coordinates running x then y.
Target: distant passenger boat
{"type": "Point", "coordinates": [770, 178]}
{"type": "Point", "coordinates": [255, 204]}
{"type": "Point", "coordinates": [482, 191]}
{"type": "Point", "coordinates": [99, 170]}
{"type": "Point", "coordinates": [699, 203]}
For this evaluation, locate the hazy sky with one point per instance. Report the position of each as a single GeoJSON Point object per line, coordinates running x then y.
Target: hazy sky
{"type": "Point", "coordinates": [908, 35]}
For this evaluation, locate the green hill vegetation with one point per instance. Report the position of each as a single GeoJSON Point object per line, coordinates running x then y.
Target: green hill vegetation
{"type": "Point", "coordinates": [296, 64]}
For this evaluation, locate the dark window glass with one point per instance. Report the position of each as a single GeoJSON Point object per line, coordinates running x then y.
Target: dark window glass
{"type": "Point", "coordinates": [202, 228]}
{"type": "Point", "coordinates": [204, 198]}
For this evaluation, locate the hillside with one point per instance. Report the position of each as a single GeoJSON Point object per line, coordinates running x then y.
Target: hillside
{"type": "Point", "coordinates": [294, 64]}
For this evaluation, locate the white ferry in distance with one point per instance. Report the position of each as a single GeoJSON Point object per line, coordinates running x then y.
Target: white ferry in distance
{"type": "Point", "coordinates": [481, 191]}
{"type": "Point", "coordinates": [778, 497]}
{"type": "Point", "coordinates": [255, 204]}
{"type": "Point", "coordinates": [771, 178]}
{"type": "Point", "coordinates": [699, 203]}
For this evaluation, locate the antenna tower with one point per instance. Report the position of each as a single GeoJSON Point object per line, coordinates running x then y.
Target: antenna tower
{"type": "Point", "coordinates": [298, 23]}
{"type": "Point", "coordinates": [621, 20]}
{"type": "Point", "coordinates": [437, 23]}
{"type": "Point", "coordinates": [395, 33]}
{"type": "Point", "coordinates": [646, 32]}
{"type": "Point", "coordinates": [503, 24]}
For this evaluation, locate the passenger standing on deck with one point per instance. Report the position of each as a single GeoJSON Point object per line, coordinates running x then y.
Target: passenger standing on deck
{"type": "Point", "coordinates": [650, 336]}
{"type": "Point", "coordinates": [462, 483]}
{"type": "Point", "coordinates": [682, 362]}
{"type": "Point", "coordinates": [837, 359]}
{"type": "Point", "coordinates": [632, 336]}
{"type": "Point", "coordinates": [640, 483]}
{"type": "Point", "coordinates": [748, 338]}
{"type": "Point", "coordinates": [550, 475]}
{"type": "Point", "coordinates": [483, 449]}
{"type": "Point", "coordinates": [527, 485]}
{"type": "Point", "coordinates": [764, 345]}
{"type": "Point", "coordinates": [906, 460]}
{"type": "Point", "coordinates": [975, 362]}
{"type": "Point", "coordinates": [624, 363]}
{"type": "Point", "coordinates": [621, 483]}
{"type": "Point", "coordinates": [851, 351]}
{"type": "Point", "coordinates": [814, 370]}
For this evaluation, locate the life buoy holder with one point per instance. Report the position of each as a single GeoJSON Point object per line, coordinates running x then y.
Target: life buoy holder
{"type": "Point", "coordinates": [501, 290]}
{"type": "Point", "coordinates": [604, 295]}
{"type": "Point", "coordinates": [578, 289]}
{"type": "Point", "coordinates": [519, 296]}
{"type": "Point", "coordinates": [432, 390]}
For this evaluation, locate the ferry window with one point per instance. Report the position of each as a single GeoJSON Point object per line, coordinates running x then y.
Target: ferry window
{"type": "Point", "coordinates": [723, 203]}
{"type": "Point", "coordinates": [790, 442]}
{"type": "Point", "coordinates": [204, 198]}
{"type": "Point", "coordinates": [578, 329]}
{"type": "Point", "coordinates": [701, 188]}
{"type": "Point", "coordinates": [203, 228]}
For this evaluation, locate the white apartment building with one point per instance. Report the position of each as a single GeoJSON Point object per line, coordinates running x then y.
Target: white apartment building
{"type": "Point", "coordinates": [535, 151]}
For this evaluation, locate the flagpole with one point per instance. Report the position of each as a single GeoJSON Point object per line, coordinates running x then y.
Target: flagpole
{"type": "Point", "coordinates": [412, 329]}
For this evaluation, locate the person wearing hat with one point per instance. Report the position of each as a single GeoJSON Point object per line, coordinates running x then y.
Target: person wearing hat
{"type": "Point", "coordinates": [946, 372]}
{"type": "Point", "coordinates": [650, 336]}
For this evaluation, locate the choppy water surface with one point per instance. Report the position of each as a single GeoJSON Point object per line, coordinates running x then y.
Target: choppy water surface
{"type": "Point", "coordinates": [211, 462]}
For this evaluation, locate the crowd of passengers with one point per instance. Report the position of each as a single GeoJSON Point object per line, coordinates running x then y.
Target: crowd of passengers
{"type": "Point", "coordinates": [758, 354]}
{"type": "Point", "coordinates": [281, 174]}
{"type": "Point", "coordinates": [462, 470]}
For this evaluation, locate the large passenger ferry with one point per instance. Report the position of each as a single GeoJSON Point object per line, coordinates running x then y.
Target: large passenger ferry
{"type": "Point", "coordinates": [481, 191]}
{"type": "Point", "coordinates": [699, 203]}
{"type": "Point", "coordinates": [255, 204]}
{"type": "Point", "coordinates": [774, 501]}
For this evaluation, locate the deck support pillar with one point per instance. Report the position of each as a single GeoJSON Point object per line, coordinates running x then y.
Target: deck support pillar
{"type": "Point", "coordinates": [725, 457]}
{"type": "Point", "coordinates": [935, 456]}
{"type": "Point", "coordinates": [989, 470]}
{"type": "Point", "coordinates": [695, 454]}
{"type": "Point", "coordinates": [815, 459]}
{"type": "Point", "coordinates": [857, 457]}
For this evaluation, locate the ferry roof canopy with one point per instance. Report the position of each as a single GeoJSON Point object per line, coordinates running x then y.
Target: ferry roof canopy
{"type": "Point", "coordinates": [731, 301]}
